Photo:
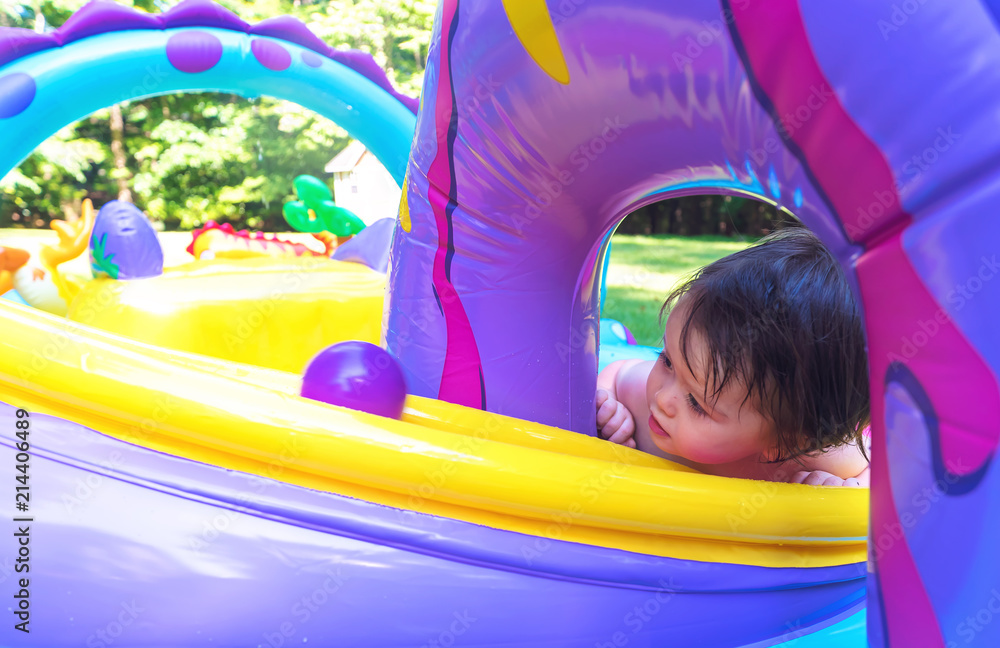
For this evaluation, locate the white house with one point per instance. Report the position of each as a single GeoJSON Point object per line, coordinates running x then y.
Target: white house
{"type": "Point", "coordinates": [361, 184]}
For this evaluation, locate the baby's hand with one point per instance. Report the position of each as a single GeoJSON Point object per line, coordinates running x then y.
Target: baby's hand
{"type": "Point", "coordinates": [823, 478]}
{"type": "Point", "coordinates": [614, 421]}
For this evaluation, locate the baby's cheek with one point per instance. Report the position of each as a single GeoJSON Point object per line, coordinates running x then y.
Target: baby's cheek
{"type": "Point", "coordinates": [703, 454]}
{"type": "Point", "coordinates": [705, 444]}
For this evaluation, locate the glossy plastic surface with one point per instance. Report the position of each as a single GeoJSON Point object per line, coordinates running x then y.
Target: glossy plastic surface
{"type": "Point", "coordinates": [266, 311]}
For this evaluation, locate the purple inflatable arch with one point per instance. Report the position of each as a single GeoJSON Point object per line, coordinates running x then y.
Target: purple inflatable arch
{"type": "Point", "coordinates": [873, 121]}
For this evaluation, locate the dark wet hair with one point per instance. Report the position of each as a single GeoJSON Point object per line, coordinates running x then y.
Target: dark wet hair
{"type": "Point", "coordinates": [780, 318]}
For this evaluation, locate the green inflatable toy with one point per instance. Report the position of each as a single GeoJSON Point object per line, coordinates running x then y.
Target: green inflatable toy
{"type": "Point", "coordinates": [315, 211]}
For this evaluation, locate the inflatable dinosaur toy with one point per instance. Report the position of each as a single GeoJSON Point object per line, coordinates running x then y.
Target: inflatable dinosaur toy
{"type": "Point", "coordinates": [11, 260]}
{"type": "Point", "coordinates": [38, 280]}
{"type": "Point", "coordinates": [216, 240]}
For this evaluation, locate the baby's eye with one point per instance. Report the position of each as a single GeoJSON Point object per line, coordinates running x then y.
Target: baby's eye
{"type": "Point", "coordinates": [695, 407]}
{"type": "Point", "coordinates": [666, 360]}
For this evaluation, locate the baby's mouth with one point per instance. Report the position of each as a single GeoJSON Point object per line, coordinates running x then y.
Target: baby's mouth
{"type": "Point", "coordinates": [655, 428]}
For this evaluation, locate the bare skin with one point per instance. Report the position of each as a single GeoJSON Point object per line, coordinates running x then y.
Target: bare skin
{"type": "Point", "coordinates": [660, 408]}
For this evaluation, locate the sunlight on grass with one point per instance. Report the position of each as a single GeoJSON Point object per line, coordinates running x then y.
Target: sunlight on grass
{"type": "Point", "coordinates": [643, 269]}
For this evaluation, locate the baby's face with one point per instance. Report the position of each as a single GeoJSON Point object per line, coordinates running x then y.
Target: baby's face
{"type": "Point", "coordinates": [684, 422]}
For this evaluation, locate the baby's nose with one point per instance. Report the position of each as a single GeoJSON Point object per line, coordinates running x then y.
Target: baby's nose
{"type": "Point", "coordinates": [667, 402]}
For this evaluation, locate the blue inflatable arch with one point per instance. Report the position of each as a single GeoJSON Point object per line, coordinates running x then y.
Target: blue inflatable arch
{"type": "Point", "coordinates": [64, 77]}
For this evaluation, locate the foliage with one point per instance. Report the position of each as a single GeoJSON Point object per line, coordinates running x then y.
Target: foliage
{"type": "Point", "coordinates": [193, 158]}
{"type": "Point", "coordinates": [696, 215]}
{"type": "Point", "coordinates": [198, 157]}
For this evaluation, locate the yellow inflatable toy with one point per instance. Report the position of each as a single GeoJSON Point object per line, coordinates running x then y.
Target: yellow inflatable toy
{"type": "Point", "coordinates": [274, 312]}
{"type": "Point", "coordinates": [37, 279]}
{"type": "Point", "coordinates": [478, 466]}
{"type": "Point", "coordinates": [275, 304]}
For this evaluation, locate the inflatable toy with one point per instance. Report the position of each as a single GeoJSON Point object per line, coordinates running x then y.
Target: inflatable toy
{"type": "Point", "coordinates": [356, 375]}
{"type": "Point", "coordinates": [235, 302]}
{"type": "Point", "coordinates": [617, 343]}
{"type": "Point", "coordinates": [192, 47]}
{"type": "Point", "coordinates": [370, 247]}
{"type": "Point", "coordinates": [11, 260]}
{"type": "Point", "coordinates": [618, 331]}
{"type": "Point", "coordinates": [38, 280]}
{"type": "Point", "coordinates": [123, 244]}
{"type": "Point", "coordinates": [236, 307]}
{"type": "Point", "coordinates": [275, 312]}
{"type": "Point", "coordinates": [822, 110]}
{"type": "Point", "coordinates": [215, 241]}
{"type": "Point", "coordinates": [315, 211]}
{"type": "Point", "coordinates": [12, 295]}
{"type": "Point", "coordinates": [234, 512]}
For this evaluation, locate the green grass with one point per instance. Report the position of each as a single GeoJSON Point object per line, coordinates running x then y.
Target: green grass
{"type": "Point", "coordinates": [643, 269]}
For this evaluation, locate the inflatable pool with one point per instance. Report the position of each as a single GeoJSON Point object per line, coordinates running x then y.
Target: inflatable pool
{"type": "Point", "coordinates": [180, 500]}
{"type": "Point", "coordinates": [264, 311]}
{"type": "Point", "coordinates": [179, 481]}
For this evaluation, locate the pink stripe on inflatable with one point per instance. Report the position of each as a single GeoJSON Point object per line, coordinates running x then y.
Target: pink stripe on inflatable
{"type": "Point", "coordinates": [855, 176]}
{"type": "Point", "coordinates": [461, 378]}
{"type": "Point", "coordinates": [849, 167]}
{"type": "Point", "coordinates": [908, 612]}
{"type": "Point", "coordinates": [952, 374]}
{"type": "Point", "coordinates": [900, 314]}
{"type": "Point", "coordinates": [962, 387]}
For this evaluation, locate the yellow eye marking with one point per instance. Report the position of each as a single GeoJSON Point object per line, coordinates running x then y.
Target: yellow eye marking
{"type": "Point", "coordinates": [534, 28]}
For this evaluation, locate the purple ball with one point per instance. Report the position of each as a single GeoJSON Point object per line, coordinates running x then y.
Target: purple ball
{"type": "Point", "coordinates": [358, 375]}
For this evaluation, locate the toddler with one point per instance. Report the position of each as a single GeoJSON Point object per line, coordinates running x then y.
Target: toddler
{"type": "Point", "coordinates": [763, 374]}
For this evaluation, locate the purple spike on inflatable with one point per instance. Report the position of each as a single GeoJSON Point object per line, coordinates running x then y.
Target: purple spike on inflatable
{"type": "Point", "coordinates": [203, 13]}
{"type": "Point", "coordinates": [366, 66]}
{"type": "Point", "coordinates": [15, 43]}
{"type": "Point", "coordinates": [101, 17]}
{"type": "Point", "coordinates": [292, 30]}
{"type": "Point", "coordinates": [370, 246]}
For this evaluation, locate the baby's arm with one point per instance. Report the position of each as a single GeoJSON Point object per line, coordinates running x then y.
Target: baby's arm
{"type": "Point", "coordinates": [822, 478]}
{"type": "Point", "coordinates": [614, 420]}
{"type": "Point", "coordinates": [843, 466]}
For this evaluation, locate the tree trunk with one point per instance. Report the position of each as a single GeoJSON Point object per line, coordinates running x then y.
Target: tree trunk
{"type": "Point", "coordinates": [122, 174]}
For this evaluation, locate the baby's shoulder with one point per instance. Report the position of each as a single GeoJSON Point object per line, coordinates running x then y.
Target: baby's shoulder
{"type": "Point", "coordinates": [631, 381]}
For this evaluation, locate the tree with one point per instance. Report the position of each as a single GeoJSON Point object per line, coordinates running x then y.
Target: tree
{"type": "Point", "coordinates": [694, 215]}
{"type": "Point", "coordinates": [187, 159]}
